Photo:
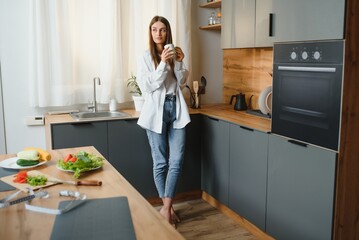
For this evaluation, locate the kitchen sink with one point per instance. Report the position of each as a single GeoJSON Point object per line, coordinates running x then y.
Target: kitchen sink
{"type": "Point", "coordinates": [99, 115]}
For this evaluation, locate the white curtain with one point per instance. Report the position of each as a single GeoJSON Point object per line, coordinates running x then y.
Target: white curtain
{"type": "Point", "coordinates": [73, 41]}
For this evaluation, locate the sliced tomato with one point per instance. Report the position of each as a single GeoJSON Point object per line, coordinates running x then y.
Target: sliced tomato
{"type": "Point", "coordinates": [21, 177]}
{"type": "Point", "coordinates": [73, 159]}
{"type": "Point", "coordinates": [68, 157]}
{"type": "Point", "coordinates": [24, 180]}
{"type": "Point", "coordinates": [21, 174]}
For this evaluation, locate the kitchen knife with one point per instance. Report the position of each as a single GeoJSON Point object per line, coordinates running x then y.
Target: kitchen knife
{"type": "Point", "coordinates": [78, 183]}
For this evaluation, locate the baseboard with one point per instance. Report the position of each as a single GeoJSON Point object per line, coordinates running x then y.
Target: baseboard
{"type": "Point", "coordinates": [240, 220]}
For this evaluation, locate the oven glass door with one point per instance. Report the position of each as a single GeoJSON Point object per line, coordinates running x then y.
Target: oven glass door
{"type": "Point", "coordinates": [307, 103]}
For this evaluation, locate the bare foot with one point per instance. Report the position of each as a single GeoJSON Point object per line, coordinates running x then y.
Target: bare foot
{"type": "Point", "coordinates": [166, 214]}
{"type": "Point", "coordinates": [174, 216]}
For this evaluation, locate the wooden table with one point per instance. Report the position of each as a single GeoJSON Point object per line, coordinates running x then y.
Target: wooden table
{"type": "Point", "coordinates": [18, 223]}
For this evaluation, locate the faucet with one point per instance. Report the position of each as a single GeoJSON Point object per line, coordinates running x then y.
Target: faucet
{"type": "Point", "coordinates": [93, 105]}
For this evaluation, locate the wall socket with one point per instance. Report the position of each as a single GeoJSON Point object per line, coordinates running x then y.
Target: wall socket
{"type": "Point", "coordinates": [34, 120]}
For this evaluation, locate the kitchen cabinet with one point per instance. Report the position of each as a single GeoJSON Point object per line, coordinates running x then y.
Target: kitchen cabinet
{"type": "Point", "coordinates": [264, 23]}
{"type": "Point", "coordinates": [246, 23]}
{"type": "Point", "coordinates": [191, 170]}
{"type": "Point", "coordinates": [238, 21]}
{"type": "Point", "coordinates": [300, 193]}
{"type": "Point", "coordinates": [248, 173]}
{"type": "Point", "coordinates": [215, 158]}
{"type": "Point", "coordinates": [130, 154]}
{"type": "Point", "coordinates": [212, 5]}
{"type": "Point", "coordinates": [259, 23]}
{"type": "Point", "coordinates": [80, 134]}
{"type": "Point", "coordinates": [308, 20]}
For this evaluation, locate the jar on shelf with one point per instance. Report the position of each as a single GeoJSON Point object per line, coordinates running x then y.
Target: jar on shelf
{"type": "Point", "coordinates": [212, 19]}
{"type": "Point", "coordinates": [218, 17]}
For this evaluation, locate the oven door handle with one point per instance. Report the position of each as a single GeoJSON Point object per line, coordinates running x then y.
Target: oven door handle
{"type": "Point", "coordinates": [307, 69]}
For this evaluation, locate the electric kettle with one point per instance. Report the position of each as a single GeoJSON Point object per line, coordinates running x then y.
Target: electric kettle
{"type": "Point", "coordinates": [240, 103]}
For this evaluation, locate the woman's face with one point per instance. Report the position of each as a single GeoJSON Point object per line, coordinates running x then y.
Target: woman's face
{"type": "Point", "coordinates": [159, 32]}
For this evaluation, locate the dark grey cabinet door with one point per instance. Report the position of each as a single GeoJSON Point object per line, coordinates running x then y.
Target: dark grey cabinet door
{"type": "Point", "coordinates": [215, 158]}
{"type": "Point", "coordinates": [300, 198]}
{"type": "Point", "coordinates": [80, 134]}
{"type": "Point", "coordinates": [130, 154]}
{"type": "Point", "coordinates": [191, 171]}
{"type": "Point", "coordinates": [248, 174]}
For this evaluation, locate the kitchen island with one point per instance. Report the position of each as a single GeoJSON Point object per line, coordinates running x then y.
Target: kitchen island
{"type": "Point", "coordinates": [18, 223]}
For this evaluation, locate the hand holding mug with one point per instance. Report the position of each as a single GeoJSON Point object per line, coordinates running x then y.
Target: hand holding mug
{"type": "Point", "coordinates": [167, 54]}
{"type": "Point", "coordinates": [179, 54]}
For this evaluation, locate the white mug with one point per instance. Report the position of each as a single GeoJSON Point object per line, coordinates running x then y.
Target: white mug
{"type": "Point", "coordinates": [172, 47]}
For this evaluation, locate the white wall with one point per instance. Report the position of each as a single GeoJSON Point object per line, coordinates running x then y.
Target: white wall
{"type": "Point", "coordinates": [207, 61]}
{"type": "Point", "coordinates": [2, 125]}
{"type": "Point", "coordinates": [13, 50]}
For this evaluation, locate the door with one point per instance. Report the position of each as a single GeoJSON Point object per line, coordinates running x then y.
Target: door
{"type": "Point", "coordinates": [2, 122]}
{"type": "Point", "coordinates": [248, 173]}
{"type": "Point", "coordinates": [130, 154]}
{"type": "Point", "coordinates": [238, 21]}
{"type": "Point", "coordinates": [80, 134]}
{"type": "Point", "coordinates": [300, 193]}
{"type": "Point", "coordinates": [308, 20]}
{"type": "Point", "coordinates": [215, 158]}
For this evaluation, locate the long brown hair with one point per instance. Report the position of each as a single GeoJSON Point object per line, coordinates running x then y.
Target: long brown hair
{"type": "Point", "coordinates": [154, 53]}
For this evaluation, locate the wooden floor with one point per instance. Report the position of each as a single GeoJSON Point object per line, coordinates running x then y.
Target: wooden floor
{"type": "Point", "coordinates": [199, 220]}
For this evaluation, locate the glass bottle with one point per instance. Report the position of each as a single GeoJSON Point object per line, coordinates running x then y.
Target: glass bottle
{"type": "Point", "coordinates": [212, 19]}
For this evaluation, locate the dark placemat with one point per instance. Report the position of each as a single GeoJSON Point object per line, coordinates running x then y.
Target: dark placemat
{"type": "Point", "coordinates": [105, 218]}
{"type": "Point", "coordinates": [3, 173]}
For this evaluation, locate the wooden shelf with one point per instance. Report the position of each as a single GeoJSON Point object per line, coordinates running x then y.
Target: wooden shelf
{"type": "Point", "coordinates": [211, 27]}
{"type": "Point", "coordinates": [213, 4]}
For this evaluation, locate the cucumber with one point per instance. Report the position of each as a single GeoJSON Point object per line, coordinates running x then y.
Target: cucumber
{"type": "Point", "coordinates": [26, 163]}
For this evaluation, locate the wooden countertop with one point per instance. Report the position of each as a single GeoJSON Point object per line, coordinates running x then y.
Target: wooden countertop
{"type": "Point", "coordinates": [220, 111]}
{"type": "Point", "coordinates": [227, 113]}
{"type": "Point", "coordinates": [18, 223]}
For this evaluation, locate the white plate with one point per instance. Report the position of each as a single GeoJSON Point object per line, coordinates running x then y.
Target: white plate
{"type": "Point", "coordinates": [265, 100]}
{"type": "Point", "coordinates": [10, 163]}
{"type": "Point", "coordinates": [68, 170]}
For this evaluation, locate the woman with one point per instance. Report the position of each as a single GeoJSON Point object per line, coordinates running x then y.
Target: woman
{"type": "Point", "coordinates": [164, 114]}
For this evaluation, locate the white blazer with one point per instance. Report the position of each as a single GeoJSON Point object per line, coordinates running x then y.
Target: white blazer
{"type": "Point", "coordinates": [151, 82]}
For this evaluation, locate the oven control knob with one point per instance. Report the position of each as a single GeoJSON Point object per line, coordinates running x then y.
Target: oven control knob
{"type": "Point", "coordinates": [304, 55]}
{"type": "Point", "coordinates": [316, 55]}
{"type": "Point", "coordinates": [293, 55]}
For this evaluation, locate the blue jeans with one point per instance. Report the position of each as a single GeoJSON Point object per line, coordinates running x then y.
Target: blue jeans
{"type": "Point", "coordinates": [167, 152]}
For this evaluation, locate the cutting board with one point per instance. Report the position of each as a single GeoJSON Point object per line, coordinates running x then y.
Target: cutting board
{"type": "Point", "coordinates": [24, 186]}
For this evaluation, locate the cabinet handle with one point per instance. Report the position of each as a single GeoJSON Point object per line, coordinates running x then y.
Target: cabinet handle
{"type": "Point", "coordinates": [80, 123]}
{"type": "Point", "coordinates": [271, 24]}
{"type": "Point", "coordinates": [298, 143]}
{"type": "Point", "coordinates": [214, 119]}
{"type": "Point", "coordinates": [247, 128]}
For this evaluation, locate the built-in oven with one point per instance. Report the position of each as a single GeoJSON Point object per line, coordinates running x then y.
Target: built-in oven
{"type": "Point", "coordinates": [307, 91]}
